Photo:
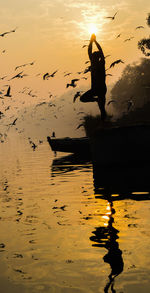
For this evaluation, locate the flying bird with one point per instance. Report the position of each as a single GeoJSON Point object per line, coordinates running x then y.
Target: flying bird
{"type": "Point", "coordinates": [5, 33]}
{"type": "Point", "coordinates": [53, 74]}
{"type": "Point", "coordinates": [30, 94]}
{"type": "Point", "coordinates": [139, 27]}
{"type": "Point", "coordinates": [23, 65]}
{"type": "Point", "coordinates": [80, 125]}
{"type": "Point", "coordinates": [45, 75]}
{"type": "Point", "coordinates": [84, 46]}
{"type": "Point", "coordinates": [18, 75]}
{"type": "Point", "coordinates": [112, 17]}
{"type": "Point", "coordinates": [129, 104]}
{"type": "Point", "coordinates": [8, 92]}
{"type": "Point", "coordinates": [14, 122]}
{"type": "Point", "coordinates": [7, 108]}
{"type": "Point", "coordinates": [72, 83]}
{"type": "Point", "coordinates": [111, 101]}
{"type": "Point", "coordinates": [129, 39]}
{"type": "Point", "coordinates": [116, 62]}
{"type": "Point", "coordinates": [118, 36]}
{"type": "Point", "coordinates": [67, 74]}
{"type": "Point", "coordinates": [107, 56]}
{"type": "Point", "coordinates": [87, 69]}
{"type": "Point", "coordinates": [33, 145]}
{"type": "Point", "coordinates": [76, 96]}
{"type": "Point", "coordinates": [3, 77]}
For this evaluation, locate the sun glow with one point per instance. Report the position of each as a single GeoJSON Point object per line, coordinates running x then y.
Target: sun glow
{"type": "Point", "coordinates": [92, 28]}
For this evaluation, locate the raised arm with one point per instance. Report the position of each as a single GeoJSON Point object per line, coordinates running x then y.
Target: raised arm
{"type": "Point", "coordinates": [100, 50]}
{"type": "Point", "coordinates": [92, 39]}
{"type": "Point", "coordinates": [90, 49]}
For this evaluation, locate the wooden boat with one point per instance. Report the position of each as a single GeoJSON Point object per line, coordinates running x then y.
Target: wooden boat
{"type": "Point", "coordinates": [70, 145]}
{"type": "Point", "coordinates": [126, 145]}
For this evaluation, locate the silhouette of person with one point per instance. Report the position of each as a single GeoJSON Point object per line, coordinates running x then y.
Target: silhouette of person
{"type": "Point", "coordinates": [98, 76]}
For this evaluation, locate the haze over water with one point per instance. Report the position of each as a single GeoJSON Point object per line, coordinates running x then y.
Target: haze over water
{"type": "Point", "coordinates": [56, 233]}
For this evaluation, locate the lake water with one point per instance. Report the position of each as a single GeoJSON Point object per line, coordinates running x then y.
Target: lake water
{"type": "Point", "coordinates": [58, 235]}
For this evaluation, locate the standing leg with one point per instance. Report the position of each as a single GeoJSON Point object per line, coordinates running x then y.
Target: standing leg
{"type": "Point", "coordinates": [101, 103]}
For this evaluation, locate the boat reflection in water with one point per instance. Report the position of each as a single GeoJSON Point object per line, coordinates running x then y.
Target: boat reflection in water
{"type": "Point", "coordinates": [122, 182]}
{"type": "Point", "coordinates": [110, 184]}
{"type": "Point", "coordinates": [70, 163]}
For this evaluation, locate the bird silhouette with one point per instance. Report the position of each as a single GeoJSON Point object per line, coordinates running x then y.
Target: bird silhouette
{"type": "Point", "coordinates": [33, 145]}
{"type": "Point", "coordinates": [30, 94]}
{"type": "Point", "coordinates": [53, 74]}
{"type": "Point", "coordinates": [72, 83]}
{"type": "Point", "coordinates": [7, 108]}
{"type": "Point", "coordinates": [67, 74]}
{"type": "Point", "coordinates": [129, 104]}
{"type": "Point", "coordinates": [81, 112]}
{"type": "Point", "coordinates": [3, 77]}
{"type": "Point", "coordinates": [14, 122]}
{"type": "Point", "coordinates": [111, 101]}
{"type": "Point", "coordinates": [129, 39]}
{"type": "Point", "coordinates": [18, 75]}
{"type": "Point", "coordinates": [76, 96]}
{"type": "Point", "coordinates": [139, 27]}
{"type": "Point", "coordinates": [107, 56]}
{"type": "Point", "coordinates": [23, 65]}
{"type": "Point", "coordinates": [87, 69]}
{"type": "Point", "coordinates": [80, 125]}
{"type": "Point", "coordinates": [116, 62]}
{"type": "Point", "coordinates": [109, 74]}
{"type": "Point", "coordinates": [112, 17]}
{"type": "Point", "coordinates": [45, 75]}
{"type": "Point", "coordinates": [5, 33]}
{"type": "Point", "coordinates": [8, 92]}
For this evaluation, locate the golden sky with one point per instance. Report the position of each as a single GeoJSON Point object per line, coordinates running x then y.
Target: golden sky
{"type": "Point", "coordinates": [52, 34]}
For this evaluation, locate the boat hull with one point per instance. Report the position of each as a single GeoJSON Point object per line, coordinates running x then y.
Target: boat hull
{"type": "Point", "coordinates": [123, 145]}
{"type": "Point", "coordinates": [115, 146]}
{"type": "Point", "coordinates": [70, 145]}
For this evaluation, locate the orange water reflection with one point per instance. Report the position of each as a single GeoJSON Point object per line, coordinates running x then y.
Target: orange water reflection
{"type": "Point", "coordinates": [54, 234]}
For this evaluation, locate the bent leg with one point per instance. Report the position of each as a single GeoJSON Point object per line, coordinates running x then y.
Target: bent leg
{"type": "Point", "coordinates": [87, 97]}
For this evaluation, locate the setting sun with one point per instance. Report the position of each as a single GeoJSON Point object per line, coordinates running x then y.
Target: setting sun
{"type": "Point", "coordinates": [92, 28]}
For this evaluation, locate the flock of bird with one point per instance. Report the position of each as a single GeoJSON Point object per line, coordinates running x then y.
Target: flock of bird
{"type": "Point", "coordinates": [47, 75]}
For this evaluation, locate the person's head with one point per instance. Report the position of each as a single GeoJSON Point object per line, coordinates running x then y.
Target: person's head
{"type": "Point", "coordinates": [95, 56]}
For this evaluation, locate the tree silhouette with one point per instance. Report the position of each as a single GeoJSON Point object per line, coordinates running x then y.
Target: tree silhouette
{"type": "Point", "coordinates": [144, 44]}
{"type": "Point", "coordinates": [133, 87]}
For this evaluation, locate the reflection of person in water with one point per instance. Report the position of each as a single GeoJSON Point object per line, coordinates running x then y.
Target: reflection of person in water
{"type": "Point", "coordinates": [98, 85]}
{"type": "Point", "coordinates": [106, 237]}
